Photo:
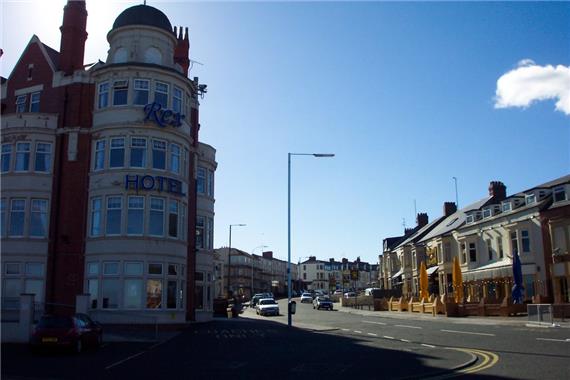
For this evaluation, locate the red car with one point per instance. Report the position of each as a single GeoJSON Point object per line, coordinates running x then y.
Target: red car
{"type": "Point", "coordinates": [74, 332]}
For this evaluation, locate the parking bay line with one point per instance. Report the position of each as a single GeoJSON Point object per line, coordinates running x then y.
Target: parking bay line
{"type": "Point", "coordinates": [467, 332]}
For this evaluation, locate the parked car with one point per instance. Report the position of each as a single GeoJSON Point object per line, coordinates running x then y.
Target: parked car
{"type": "Point", "coordinates": [255, 299]}
{"type": "Point", "coordinates": [306, 297]}
{"type": "Point", "coordinates": [349, 294]}
{"type": "Point", "coordinates": [73, 332]}
{"type": "Point", "coordinates": [267, 306]}
{"type": "Point", "coordinates": [322, 302]}
{"type": "Point", "coordinates": [338, 292]}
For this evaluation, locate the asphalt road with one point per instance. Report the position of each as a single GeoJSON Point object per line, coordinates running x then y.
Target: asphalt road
{"type": "Point", "coordinates": [322, 344]}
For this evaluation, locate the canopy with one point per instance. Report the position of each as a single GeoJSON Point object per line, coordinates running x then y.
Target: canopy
{"type": "Point", "coordinates": [398, 273]}
{"type": "Point", "coordinates": [432, 270]}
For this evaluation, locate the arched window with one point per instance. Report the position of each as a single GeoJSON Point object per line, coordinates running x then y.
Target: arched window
{"type": "Point", "coordinates": [153, 55]}
{"type": "Point", "coordinates": [120, 55]}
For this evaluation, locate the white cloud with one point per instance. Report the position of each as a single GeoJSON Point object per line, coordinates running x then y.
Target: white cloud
{"type": "Point", "coordinates": [530, 82]}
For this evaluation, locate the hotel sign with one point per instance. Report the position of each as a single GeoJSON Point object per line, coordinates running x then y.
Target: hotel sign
{"type": "Point", "coordinates": [163, 117]}
{"type": "Point", "coordinates": [156, 183]}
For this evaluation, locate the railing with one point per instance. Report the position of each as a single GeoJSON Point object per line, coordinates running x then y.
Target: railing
{"type": "Point", "coordinates": [540, 314]}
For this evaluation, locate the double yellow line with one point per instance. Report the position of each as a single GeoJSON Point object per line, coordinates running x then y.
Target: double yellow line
{"type": "Point", "coordinates": [485, 360]}
{"type": "Point", "coordinates": [489, 359]}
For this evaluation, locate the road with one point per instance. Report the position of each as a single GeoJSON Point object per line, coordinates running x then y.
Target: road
{"type": "Point", "coordinates": [322, 344]}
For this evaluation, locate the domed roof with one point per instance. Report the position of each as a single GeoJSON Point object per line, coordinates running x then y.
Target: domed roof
{"type": "Point", "coordinates": [143, 15]}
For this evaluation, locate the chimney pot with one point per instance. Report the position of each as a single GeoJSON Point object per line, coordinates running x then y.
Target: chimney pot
{"type": "Point", "coordinates": [449, 208]}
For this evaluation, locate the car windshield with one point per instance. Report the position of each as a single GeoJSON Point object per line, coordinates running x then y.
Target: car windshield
{"type": "Point", "coordinates": [267, 302]}
{"type": "Point", "coordinates": [55, 322]}
{"type": "Point", "coordinates": [323, 298]}
{"type": "Point", "coordinates": [306, 295]}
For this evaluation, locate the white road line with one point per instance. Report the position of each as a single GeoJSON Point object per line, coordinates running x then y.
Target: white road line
{"type": "Point", "coordinates": [372, 334]}
{"type": "Point", "coordinates": [409, 327]}
{"type": "Point", "coordinates": [405, 340]}
{"type": "Point", "coordinates": [356, 331]}
{"type": "Point", "coordinates": [554, 340]}
{"type": "Point", "coordinates": [124, 360]}
{"type": "Point", "coordinates": [345, 329]}
{"type": "Point", "coordinates": [428, 345]}
{"type": "Point", "coordinates": [467, 332]}
{"type": "Point", "coordinates": [376, 323]}
{"type": "Point", "coordinates": [388, 337]}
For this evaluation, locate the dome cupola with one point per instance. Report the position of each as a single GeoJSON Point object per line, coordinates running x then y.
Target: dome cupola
{"type": "Point", "coordinates": [143, 15]}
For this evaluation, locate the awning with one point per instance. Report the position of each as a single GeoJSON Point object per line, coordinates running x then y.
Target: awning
{"type": "Point", "coordinates": [432, 270]}
{"type": "Point", "coordinates": [398, 273]}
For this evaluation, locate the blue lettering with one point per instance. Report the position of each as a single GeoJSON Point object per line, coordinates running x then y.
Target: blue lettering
{"type": "Point", "coordinates": [154, 112]}
{"type": "Point", "coordinates": [147, 182]}
{"type": "Point", "coordinates": [130, 181]}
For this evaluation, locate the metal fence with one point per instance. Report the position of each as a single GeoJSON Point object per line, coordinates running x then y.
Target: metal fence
{"type": "Point", "coordinates": [540, 314]}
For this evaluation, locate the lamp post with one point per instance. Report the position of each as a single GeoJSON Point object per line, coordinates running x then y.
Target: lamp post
{"type": "Point", "coordinates": [230, 255]}
{"type": "Point", "coordinates": [252, 251]}
{"type": "Point", "coordinates": [317, 155]}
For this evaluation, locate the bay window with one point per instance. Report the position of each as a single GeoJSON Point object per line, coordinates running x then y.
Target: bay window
{"type": "Point", "coordinates": [120, 92]}
{"type": "Point", "coordinates": [103, 95]}
{"type": "Point", "coordinates": [99, 155]}
{"type": "Point", "coordinates": [174, 158]}
{"type": "Point", "coordinates": [35, 102]}
{"type": "Point", "coordinates": [141, 87]}
{"type": "Point", "coordinates": [117, 153]}
{"type": "Point", "coordinates": [201, 180]}
{"type": "Point", "coordinates": [158, 154]}
{"type": "Point", "coordinates": [21, 103]}
{"type": "Point", "coordinates": [96, 219]}
{"type": "Point", "coordinates": [200, 227]}
{"type": "Point", "coordinates": [135, 215]}
{"type": "Point", "coordinates": [177, 99]}
{"type": "Point", "coordinates": [138, 152]}
{"type": "Point", "coordinates": [173, 219]}
{"type": "Point", "coordinates": [6, 157]}
{"type": "Point", "coordinates": [17, 217]}
{"type": "Point", "coordinates": [161, 94]}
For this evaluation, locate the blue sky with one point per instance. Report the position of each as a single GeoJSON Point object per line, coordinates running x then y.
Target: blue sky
{"type": "Point", "coordinates": [402, 93]}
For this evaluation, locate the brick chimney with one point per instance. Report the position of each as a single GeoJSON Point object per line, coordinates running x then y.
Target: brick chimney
{"type": "Point", "coordinates": [497, 190]}
{"type": "Point", "coordinates": [449, 208]}
{"type": "Point", "coordinates": [182, 49]}
{"type": "Point", "coordinates": [422, 219]}
{"type": "Point", "coordinates": [73, 36]}
{"type": "Point", "coordinates": [331, 260]}
{"type": "Point", "coordinates": [312, 258]}
{"type": "Point", "coordinates": [267, 254]}
{"type": "Point", "coordinates": [408, 231]}
{"type": "Point", "coordinates": [345, 260]}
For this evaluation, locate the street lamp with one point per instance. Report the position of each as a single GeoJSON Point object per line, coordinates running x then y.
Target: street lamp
{"type": "Point", "coordinates": [252, 251]}
{"type": "Point", "coordinates": [317, 155]}
{"type": "Point", "coordinates": [230, 255]}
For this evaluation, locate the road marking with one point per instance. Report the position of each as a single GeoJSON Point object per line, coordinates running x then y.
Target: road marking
{"type": "Point", "coordinates": [345, 329]}
{"type": "Point", "coordinates": [124, 360]}
{"type": "Point", "coordinates": [388, 337]}
{"type": "Point", "coordinates": [467, 332]}
{"type": "Point", "coordinates": [554, 340]}
{"type": "Point", "coordinates": [356, 331]}
{"type": "Point", "coordinates": [405, 340]}
{"type": "Point", "coordinates": [488, 359]}
{"type": "Point", "coordinates": [372, 334]}
{"type": "Point", "coordinates": [376, 323]}
{"type": "Point", "coordinates": [428, 345]}
{"type": "Point", "coordinates": [409, 327]}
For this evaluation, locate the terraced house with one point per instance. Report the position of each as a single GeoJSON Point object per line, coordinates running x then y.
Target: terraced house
{"type": "Point", "coordinates": [106, 188]}
{"type": "Point", "coordinates": [535, 223]}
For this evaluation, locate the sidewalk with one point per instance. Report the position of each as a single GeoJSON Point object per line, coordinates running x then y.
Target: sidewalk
{"type": "Point", "coordinates": [506, 321]}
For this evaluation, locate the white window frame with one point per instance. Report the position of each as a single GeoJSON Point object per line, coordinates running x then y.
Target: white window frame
{"type": "Point", "coordinates": [530, 199]}
{"type": "Point", "coordinates": [21, 103]}
{"type": "Point", "coordinates": [135, 209]}
{"type": "Point", "coordinates": [201, 179]}
{"type": "Point", "coordinates": [104, 269]}
{"type": "Point", "coordinates": [159, 146]}
{"type": "Point", "coordinates": [141, 85]}
{"type": "Point", "coordinates": [175, 157]}
{"type": "Point", "coordinates": [103, 90]}
{"type": "Point", "coordinates": [153, 208]}
{"type": "Point", "coordinates": [46, 156]}
{"type": "Point", "coordinates": [177, 95]}
{"type": "Point", "coordinates": [35, 100]}
{"type": "Point", "coordinates": [23, 153]}
{"type": "Point", "coordinates": [121, 85]}
{"type": "Point", "coordinates": [42, 210]}
{"type": "Point", "coordinates": [157, 84]}
{"type": "Point", "coordinates": [6, 151]}
{"type": "Point", "coordinates": [114, 208]}
{"type": "Point", "coordinates": [527, 238]}
{"type": "Point", "coordinates": [111, 148]}
{"type": "Point", "coordinates": [92, 217]}
{"type": "Point", "coordinates": [138, 146]}
{"type": "Point", "coordinates": [100, 148]}
{"type": "Point", "coordinates": [14, 210]}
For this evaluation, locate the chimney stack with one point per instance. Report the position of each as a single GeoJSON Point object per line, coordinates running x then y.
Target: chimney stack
{"type": "Point", "coordinates": [73, 36]}
{"type": "Point", "coordinates": [267, 254]}
{"type": "Point", "coordinates": [422, 219]}
{"type": "Point", "coordinates": [497, 190]}
{"type": "Point", "coordinates": [449, 208]}
{"type": "Point", "coordinates": [182, 49]}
